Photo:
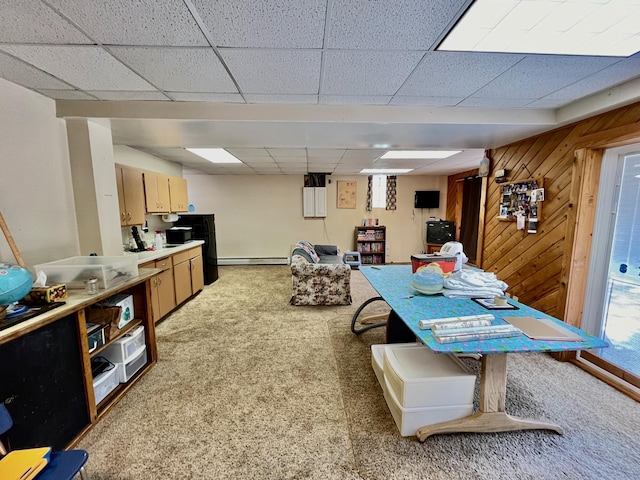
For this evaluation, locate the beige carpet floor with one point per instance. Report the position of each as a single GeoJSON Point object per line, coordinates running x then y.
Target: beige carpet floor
{"type": "Point", "coordinates": [247, 386]}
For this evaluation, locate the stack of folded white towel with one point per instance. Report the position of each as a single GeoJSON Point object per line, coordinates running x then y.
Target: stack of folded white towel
{"type": "Point", "coordinates": [473, 283]}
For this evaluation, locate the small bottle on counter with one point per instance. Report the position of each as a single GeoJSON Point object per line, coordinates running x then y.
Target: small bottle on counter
{"type": "Point", "coordinates": [91, 286]}
{"type": "Point", "coordinates": [158, 240]}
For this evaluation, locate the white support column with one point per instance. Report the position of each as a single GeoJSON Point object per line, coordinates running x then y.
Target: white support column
{"type": "Point", "coordinates": [94, 187]}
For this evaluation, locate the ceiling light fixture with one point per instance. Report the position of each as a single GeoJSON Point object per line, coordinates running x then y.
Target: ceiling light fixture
{"type": "Point", "coordinates": [214, 155]}
{"type": "Point", "coordinates": [420, 154]}
{"type": "Point", "coordinates": [385, 171]}
{"type": "Point", "coordinates": [560, 27]}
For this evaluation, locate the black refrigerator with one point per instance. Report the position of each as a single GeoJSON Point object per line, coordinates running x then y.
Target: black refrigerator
{"type": "Point", "coordinates": [203, 227]}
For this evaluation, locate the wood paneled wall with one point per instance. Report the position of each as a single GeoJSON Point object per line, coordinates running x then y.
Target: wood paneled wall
{"type": "Point", "coordinates": [537, 266]}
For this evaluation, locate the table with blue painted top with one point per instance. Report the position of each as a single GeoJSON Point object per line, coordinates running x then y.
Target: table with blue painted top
{"type": "Point", "coordinates": [393, 283]}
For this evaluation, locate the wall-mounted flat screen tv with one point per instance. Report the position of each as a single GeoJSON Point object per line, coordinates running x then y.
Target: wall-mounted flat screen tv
{"type": "Point", "coordinates": [427, 199]}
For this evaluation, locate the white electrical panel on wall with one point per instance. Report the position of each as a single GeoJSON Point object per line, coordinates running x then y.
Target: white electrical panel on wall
{"type": "Point", "coordinates": [314, 202]}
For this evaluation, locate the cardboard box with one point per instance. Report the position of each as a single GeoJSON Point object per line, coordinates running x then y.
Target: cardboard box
{"type": "Point", "coordinates": [447, 264]}
{"type": "Point", "coordinates": [125, 302]}
{"type": "Point", "coordinates": [43, 295]}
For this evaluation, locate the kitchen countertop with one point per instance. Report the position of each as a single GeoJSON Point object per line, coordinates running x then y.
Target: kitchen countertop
{"type": "Point", "coordinates": [150, 255]}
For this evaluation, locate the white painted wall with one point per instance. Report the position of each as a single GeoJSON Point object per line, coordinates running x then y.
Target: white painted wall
{"type": "Point", "coordinates": [261, 215]}
{"type": "Point", "coordinates": [36, 198]}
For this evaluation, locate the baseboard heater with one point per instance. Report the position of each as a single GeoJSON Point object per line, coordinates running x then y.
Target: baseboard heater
{"type": "Point", "coordinates": [254, 261]}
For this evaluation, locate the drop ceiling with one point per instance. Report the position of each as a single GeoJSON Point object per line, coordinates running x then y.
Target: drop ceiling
{"type": "Point", "coordinates": [291, 87]}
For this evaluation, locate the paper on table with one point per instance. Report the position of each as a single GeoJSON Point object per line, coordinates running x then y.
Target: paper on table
{"type": "Point", "coordinates": [543, 329]}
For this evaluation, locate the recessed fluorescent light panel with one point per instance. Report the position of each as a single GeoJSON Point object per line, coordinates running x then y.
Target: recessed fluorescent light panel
{"type": "Point", "coordinates": [560, 27]}
{"type": "Point", "coordinates": [215, 155]}
{"type": "Point", "coordinates": [421, 154]}
{"type": "Point", "coordinates": [385, 171]}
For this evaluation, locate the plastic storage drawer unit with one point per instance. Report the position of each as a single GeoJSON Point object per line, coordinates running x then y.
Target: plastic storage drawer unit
{"type": "Point", "coordinates": [409, 420]}
{"type": "Point", "coordinates": [104, 384]}
{"type": "Point", "coordinates": [377, 358]}
{"type": "Point", "coordinates": [420, 378]}
{"type": "Point", "coordinates": [123, 349]}
{"type": "Point", "coordinates": [129, 369]}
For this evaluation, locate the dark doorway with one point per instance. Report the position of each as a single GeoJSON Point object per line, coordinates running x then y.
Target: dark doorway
{"type": "Point", "coordinates": [471, 191]}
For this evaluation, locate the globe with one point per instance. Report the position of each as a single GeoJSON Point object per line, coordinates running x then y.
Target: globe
{"type": "Point", "coordinates": [15, 283]}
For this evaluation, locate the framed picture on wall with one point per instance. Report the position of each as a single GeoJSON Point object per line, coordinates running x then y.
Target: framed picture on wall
{"type": "Point", "coordinates": [347, 192]}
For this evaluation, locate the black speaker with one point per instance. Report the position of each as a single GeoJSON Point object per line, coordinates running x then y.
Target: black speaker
{"type": "Point", "coordinates": [440, 231]}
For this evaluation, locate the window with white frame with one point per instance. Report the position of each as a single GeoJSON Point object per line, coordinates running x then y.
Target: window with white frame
{"type": "Point", "coordinates": [379, 191]}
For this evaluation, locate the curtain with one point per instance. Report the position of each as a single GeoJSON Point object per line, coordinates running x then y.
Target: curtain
{"type": "Point", "coordinates": [369, 192]}
{"type": "Point", "coordinates": [472, 189]}
{"type": "Point", "coordinates": [391, 192]}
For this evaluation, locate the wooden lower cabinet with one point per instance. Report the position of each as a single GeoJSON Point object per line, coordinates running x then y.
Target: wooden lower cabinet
{"type": "Point", "coordinates": [181, 277]}
{"type": "Point", "coordinates": [188, 273]}
{"type": "Point", "coordinates": [163, 298]}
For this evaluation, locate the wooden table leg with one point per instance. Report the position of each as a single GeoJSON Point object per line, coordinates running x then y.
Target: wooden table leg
{"type": "Point", "coordinates": [491, 416]}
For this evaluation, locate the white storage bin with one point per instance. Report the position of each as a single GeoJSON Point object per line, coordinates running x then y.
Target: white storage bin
{"type": "Point", "coordinates": [74, 271]}
{"type": "Point", "coordinates": [409, 420]}
{"type": "Point", "coordinates": [123, 349]}
{"type": "Point", "coordinates": [377, 358]}
{"type": "Point", "coordinates": [104, 384]}
{"type": "Point", "coordinates": [128, 370]}
{"type": "Point", "coordinates": [420, 378]}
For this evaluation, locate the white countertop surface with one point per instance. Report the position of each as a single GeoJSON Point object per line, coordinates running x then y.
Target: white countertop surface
{"type": "Point", "coordinates": [149, 255]}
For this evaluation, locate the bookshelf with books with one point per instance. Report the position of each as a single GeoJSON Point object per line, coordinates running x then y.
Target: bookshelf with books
{"type": "Point", "coordinates": [370, 243]}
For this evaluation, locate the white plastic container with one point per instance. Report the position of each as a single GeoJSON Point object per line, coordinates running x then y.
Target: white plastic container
{"type": "Point", "coordinates": [409, 420]}
{"type": "Point", "coordinates": [377, 358]}
{"type": "Point", "coordinates": [125, 348]}
{"type": "Point", "coordinates": [129, 369]}
{"type": "Point", "coordinates": [73, 271]}
{"type": "Point", "coordinates": [419, 378]}
{"type": "Point", "coordinates": [104, 384]}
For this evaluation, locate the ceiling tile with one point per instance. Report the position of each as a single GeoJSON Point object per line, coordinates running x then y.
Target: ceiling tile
{"type": "Point", "coordinates": [366, 73]}
{"type": "Point", "coordinates": [249, 152]}
{"type": "Point", "coordinates": [362, 153]}
{"type": "Point", "coordinates": [548, 102]}
{"type": "Point", "coordinates": [425, 101]}
{"type": "Point", "coordinates": [275, 71]}
{"type": "Point", "coordinates": [540, 75]}
{"type": "Point", "coordinates": [257, 160]}
{"type": "Point", "coordinates": [285, 159]}
{"type": "Point", "coordinates": [415, 25]}
{"type": "Point", "coordinates": [256, 98]}
{"type": "Point", "coordinates": [66, 94]}
{"type": "Point", "coordinates": [206, 97]}
{"type": "Point", "coordinates": [17, 71]}
{"type": "Point", "coordinates": [178, 69]}
{"type": "Point", "coordinates": [31, 21]}
{"type": "Point", "coordinates": [288, 152]}
{"type": "Point", "coordinates": [495, 102]}
{"type": "Point", "coordinates": [264, 24]}
{"type": "Point", "coordinates": [459, 74]}
{"type": "Point", "coordinates": [124, 95]}
{"type": "Point", "coordinates": [88, 68]}
{"type": "Point", "coordinates": [619, 72]}
{"type": "Point", "coordinates": [143, 22]}
{"type": "Point", "coordinates": [325, 152]}
{"type": "Point", "coordinates": [354, 99]}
